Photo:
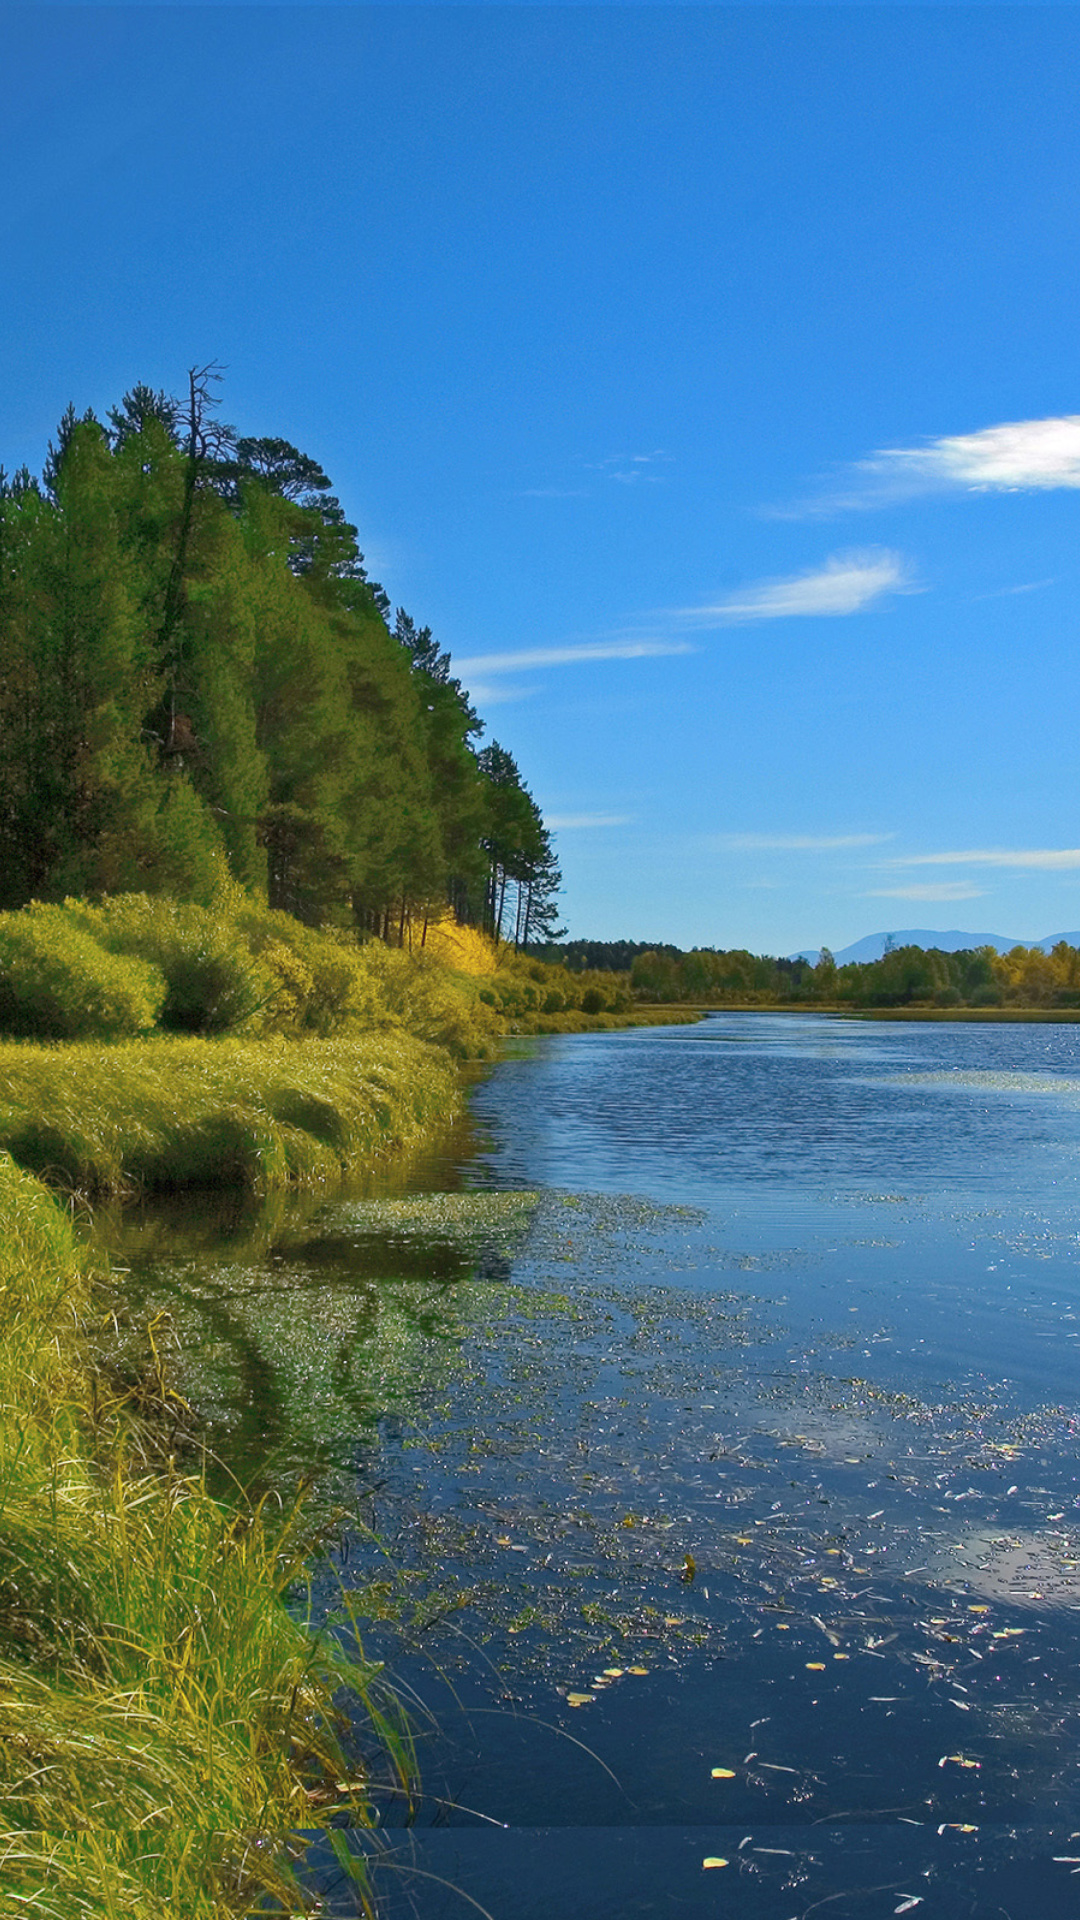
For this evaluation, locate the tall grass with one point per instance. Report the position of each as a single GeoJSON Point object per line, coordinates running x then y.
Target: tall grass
{"type": "Point", "coordinates": [165, 1722]}
{"type": "Point", "coordinates": [174, 1112]}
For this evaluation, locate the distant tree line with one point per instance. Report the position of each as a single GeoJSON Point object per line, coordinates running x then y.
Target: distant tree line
{"type": "Point", "coordinates": [904, 976]}
{"type": "Point", "coordinates": [198, 680]}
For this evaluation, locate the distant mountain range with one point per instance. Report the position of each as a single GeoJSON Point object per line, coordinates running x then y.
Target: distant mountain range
{"type": "Point", "coordinates": [872, 945]}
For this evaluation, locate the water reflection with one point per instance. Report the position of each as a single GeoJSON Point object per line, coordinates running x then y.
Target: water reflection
{"type": "Point", "coordinates": [708, 1415]}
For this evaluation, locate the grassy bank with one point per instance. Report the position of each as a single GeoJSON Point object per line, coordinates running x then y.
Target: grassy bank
{"type": "Point", "coordinates": [260, 1113]}
{"type": "Point", "coordinates": [165, 1724]}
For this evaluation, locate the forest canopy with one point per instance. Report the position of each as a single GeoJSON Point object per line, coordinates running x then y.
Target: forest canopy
{"type": "Point", "coordinates": [905, 976]}
{"type": "Point", "coordinates": [199, 682]}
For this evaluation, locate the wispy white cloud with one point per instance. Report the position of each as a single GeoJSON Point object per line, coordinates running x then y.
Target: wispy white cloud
{"type": "Point", "coordinates": [928, 890]}
{"type": "Point", "coordinates": [630, 468]}
{"type": "Point", "coordinates": [1047, 859]}
{"type": "Point", "coordinates": [570, 822]}
{"type": "Point", "coordinates": [526, 658]}
{"type": "Point", "coordinates": [1020, 454]}
{"type": "Point", "coordinates": [847, 583]}
{"type": "Point", "coordinates": [500, 693]}
{"type": "Point", "coordinates": [1026, 586]}
{"type": "Point", "coordinates": [796, 842]}
{"type": "Point", "coordinates": [1017, 456]}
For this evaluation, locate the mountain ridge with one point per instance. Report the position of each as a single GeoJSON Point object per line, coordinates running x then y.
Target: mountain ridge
{"type": "Point", "coordinates": [872, 945]}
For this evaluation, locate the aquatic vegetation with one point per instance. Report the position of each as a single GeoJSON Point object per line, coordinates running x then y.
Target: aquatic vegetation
{"type": "Point", "coordinates": [357, 1314]}
{"type": "Point", "coordinates": [167, 1722]}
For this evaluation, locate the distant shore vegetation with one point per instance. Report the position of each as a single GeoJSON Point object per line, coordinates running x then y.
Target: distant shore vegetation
{"type": "Point", "coordinates": [905, 976]}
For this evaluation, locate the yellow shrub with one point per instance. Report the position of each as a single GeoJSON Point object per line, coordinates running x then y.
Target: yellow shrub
{"type": "Point", "coordinates": [465, 949]}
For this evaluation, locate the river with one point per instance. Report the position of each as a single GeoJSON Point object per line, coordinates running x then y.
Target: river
{"type": "Point", "coordinates": [703, 1414]}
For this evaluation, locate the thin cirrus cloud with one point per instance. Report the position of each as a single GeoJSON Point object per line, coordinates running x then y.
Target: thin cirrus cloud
{"type": "Point", "coordinates": [847, 583]}
{"type": "Point", "coordinates": [527, 658]}
{"type": "Point", "coordinates": [1018, 456]}
{"type": "Point", "coordinates": [928, 890]}
{"type": "Point", "coordinates": [1044, 859]}
{"type": "Point", "coordinates": [571, 822]}
{"type": "Point", "coordinates": [796, 842]}
{"type": "Point", "coordinates": [630, 468]}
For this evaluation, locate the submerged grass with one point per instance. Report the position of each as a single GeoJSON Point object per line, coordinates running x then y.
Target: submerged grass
{"type": "Point", "coordinates": [165, 1722]}
{"type": "Point", "coordinates": [176, 1112]}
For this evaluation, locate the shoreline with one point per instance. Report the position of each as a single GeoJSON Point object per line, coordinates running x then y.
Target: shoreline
{"type": "Point", "coordinates": [168, 1725]}
{"type": "Point", "coordinates": [1061, 1016]}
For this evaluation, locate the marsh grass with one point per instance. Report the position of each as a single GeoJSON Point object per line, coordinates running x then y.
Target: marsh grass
{"type": "Point", "coordinates": [262, 1114]}
{"type": "Point", "coordinates": [167, 1722]}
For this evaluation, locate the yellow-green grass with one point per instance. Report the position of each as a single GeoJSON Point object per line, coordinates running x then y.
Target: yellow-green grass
{"type": "Point", "coordinates": [166, 1724]}
{"type": "Point", "coordinates": [175, 1112]}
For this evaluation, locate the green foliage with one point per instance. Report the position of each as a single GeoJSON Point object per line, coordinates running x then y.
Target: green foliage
{"type": "Point", "coordinates": [199, 681]}
{"type": "Point", "coordinates": [426, 999]}
{"type": "Point", "coordinates": [58, 983]}
{"type": "Point", "coordinates": [214, 984]}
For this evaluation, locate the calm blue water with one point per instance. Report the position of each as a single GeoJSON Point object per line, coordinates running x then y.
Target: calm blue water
{"type": "Point", "coordinates": [748, 1444]}
{"type": "Point", "coordinates": [820, 1288]}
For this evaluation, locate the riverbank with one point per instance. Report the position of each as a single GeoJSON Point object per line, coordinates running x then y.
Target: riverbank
{"type": "Point", "coordinates": [168, 1724]}
{"type": "Point", "coordinates": [166, 1721]}
{"type": "Point", "coordinates": [261, 1114]}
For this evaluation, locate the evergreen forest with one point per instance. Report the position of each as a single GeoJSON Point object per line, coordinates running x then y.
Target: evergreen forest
{"type": "Point", "coordinates": [199, 683]}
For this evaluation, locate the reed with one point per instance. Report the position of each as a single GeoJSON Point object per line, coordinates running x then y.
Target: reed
{"type": "Point", "coordinates": [169, 1112]}
{"type": "Point", "coordinates": [166, 1721]}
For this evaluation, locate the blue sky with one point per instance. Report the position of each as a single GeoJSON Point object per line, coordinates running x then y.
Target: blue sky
{"type": "Point", "coordinates": [707, 378]}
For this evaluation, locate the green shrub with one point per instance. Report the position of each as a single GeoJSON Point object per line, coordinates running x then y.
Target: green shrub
{"type": "Point", "coordinates": [58, 983]}
{"type": "Point", "coordinates": [213, 982]}
{"type": "Point", "coordinates": [418, 993]}
{"type": "Point", "coordinates": [592, 1001]}
{"type": "Point", "coordinates": [322, 981]}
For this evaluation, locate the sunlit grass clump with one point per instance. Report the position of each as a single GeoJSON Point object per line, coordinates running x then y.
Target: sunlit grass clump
{"type": "Point", "coordinates": [257, 1113]}
{"type": "Point", "coordinates": [165, 1723]}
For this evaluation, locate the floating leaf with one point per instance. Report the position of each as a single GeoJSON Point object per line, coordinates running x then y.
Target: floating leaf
{"type": "Point", "coordinates": [957, 1760]}
{"type": "Point", "coordinates": [639, 1670]}
{"type": "Point", "coordinates": [580, 1699]}
{"type": "Point", "coordinates": [713, 1860]}
{"type": "Point", "coordinates": [909, 1900]}
{"type": "Point", "coordinates": [613, 1673]}
{"type": "Point", "coordinates": [816, 1666]}
{"type": "Point", "coordinates": [723, 1773]}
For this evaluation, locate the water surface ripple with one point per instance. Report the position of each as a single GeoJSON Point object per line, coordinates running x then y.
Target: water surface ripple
{"type": "Point", "coordinates": [707, 1413]}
